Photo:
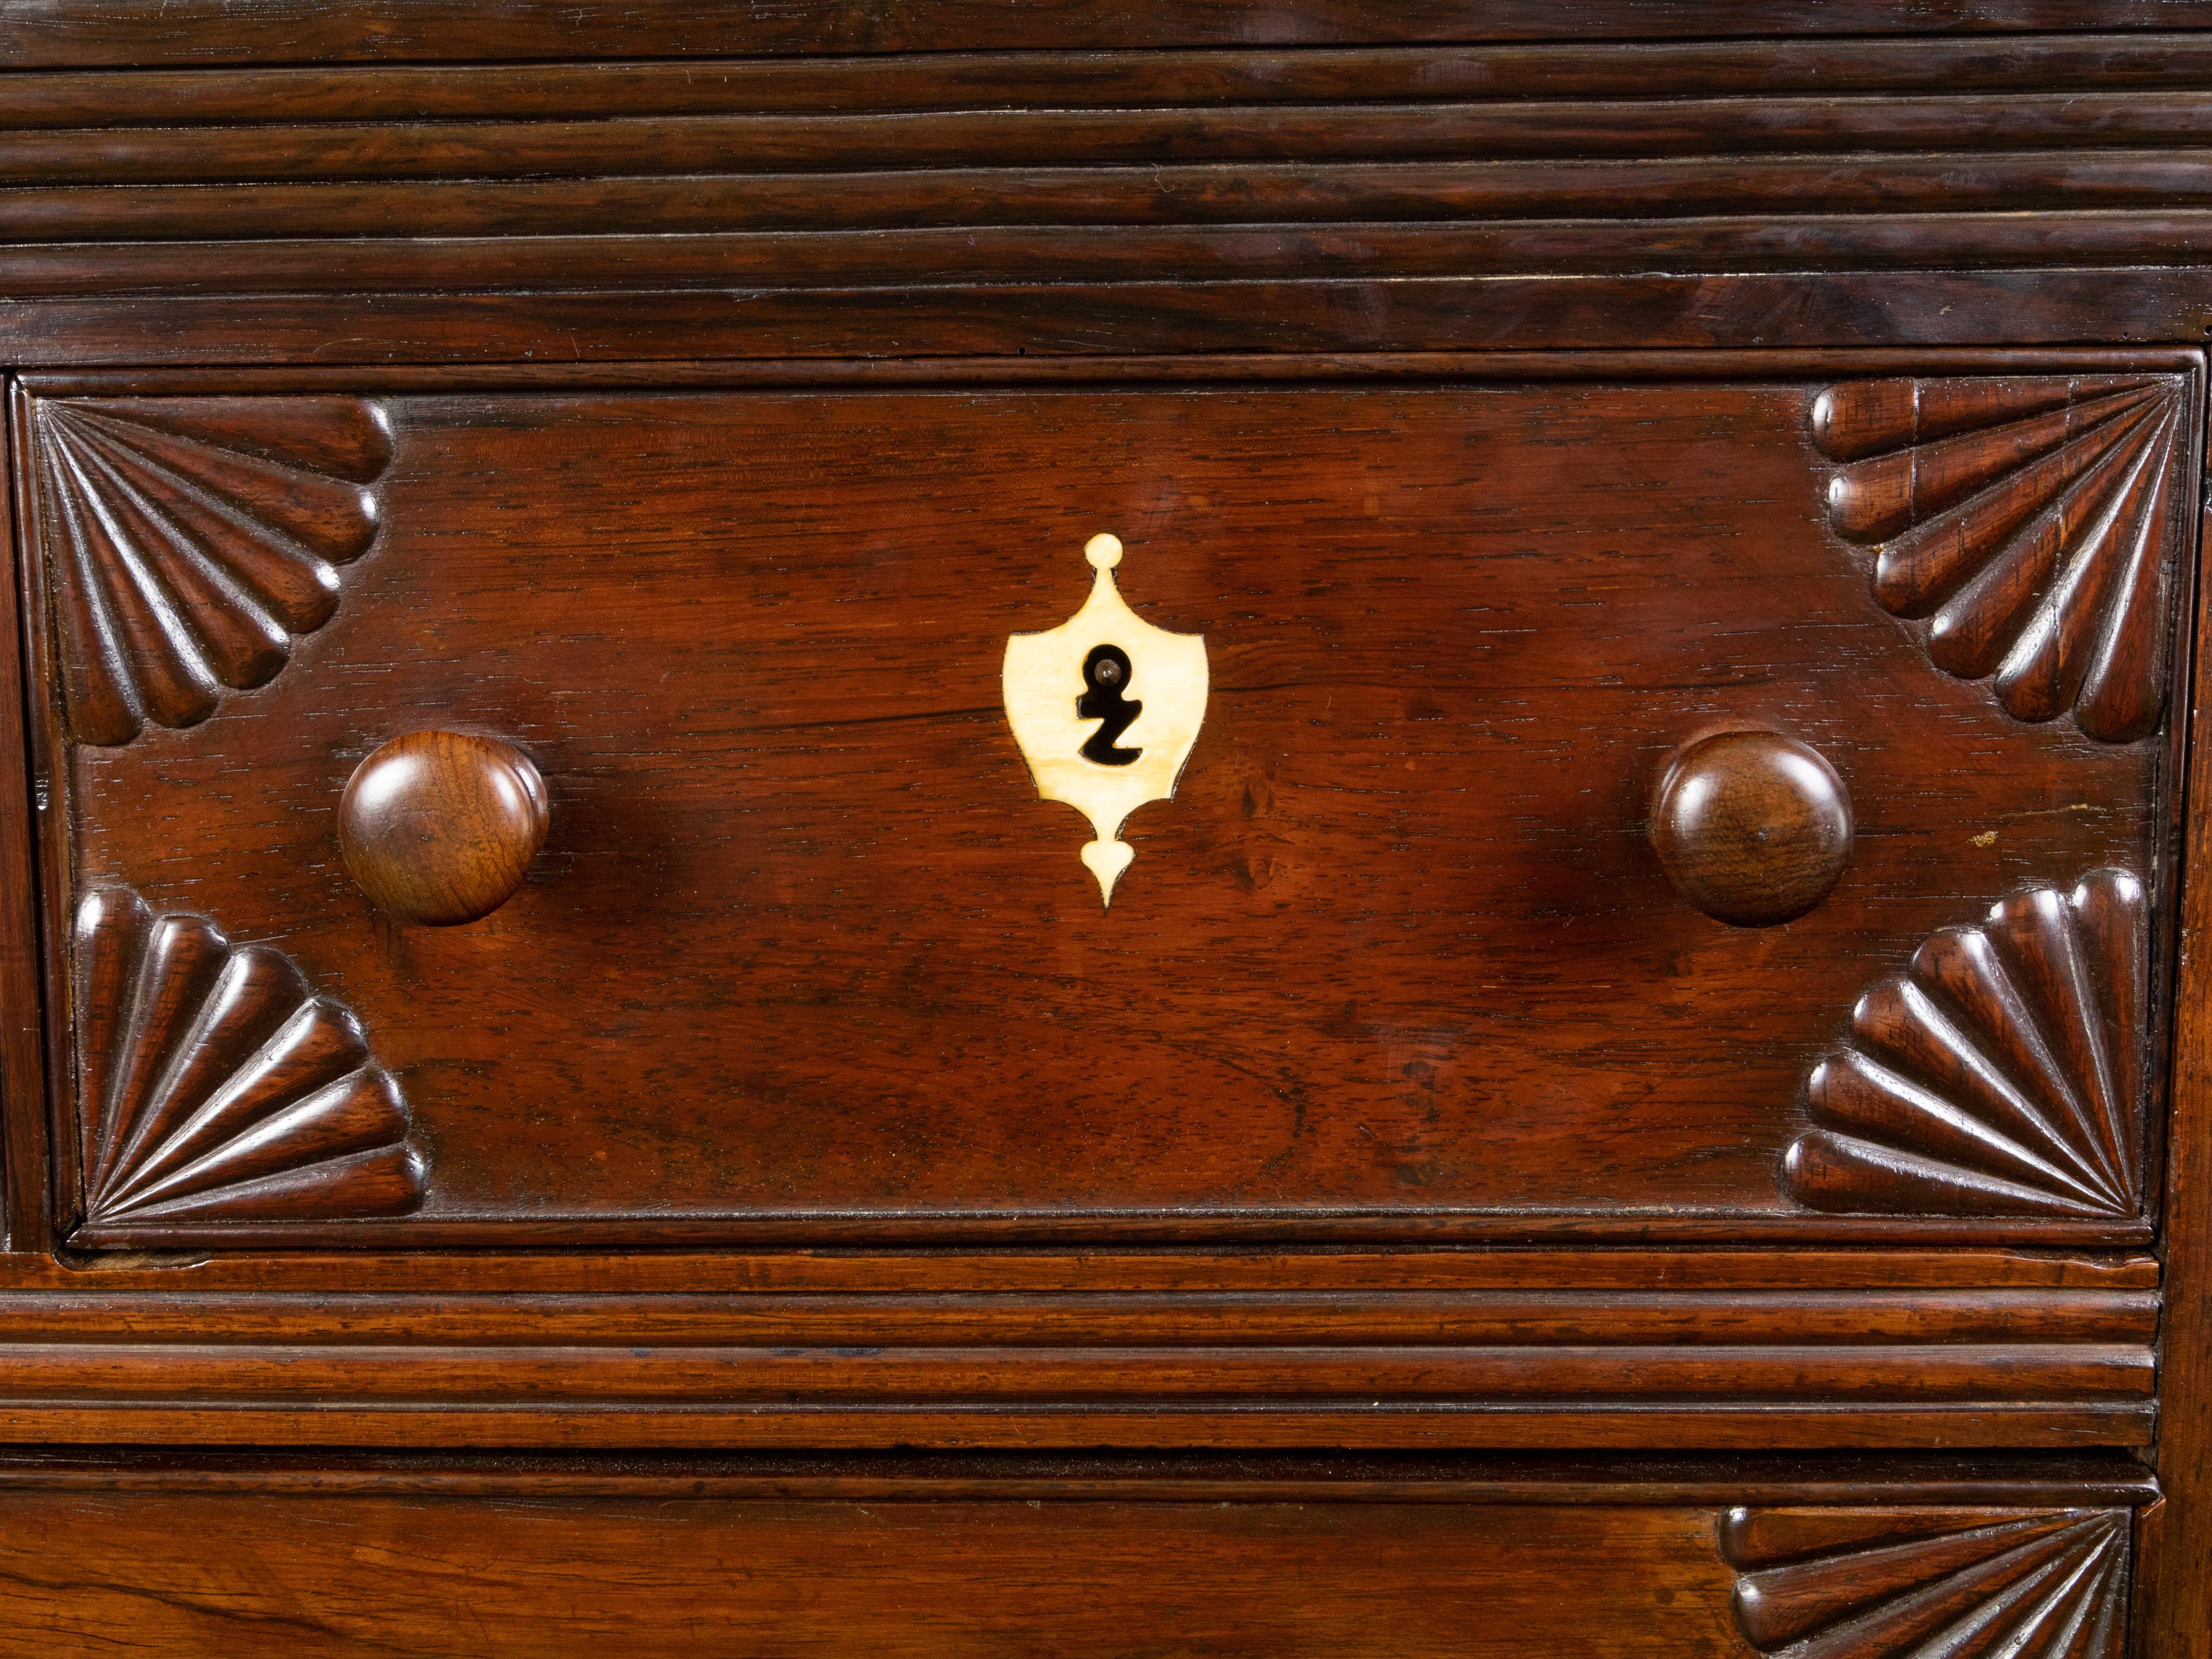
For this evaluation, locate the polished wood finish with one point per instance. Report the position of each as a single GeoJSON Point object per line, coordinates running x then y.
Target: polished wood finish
{"type": "Point", "coordinates": [228, 516]}
{"type": "Point", "coordinates": [44, 33]}
{"type": "Point", "coordinates": [837, 662]}
{"type": "Point", "coordinates": [693, 400]}
{"type": "Point", "coordinates": [1860, 1583]}
{"type": "Point", "coordinates": [2001, 1073]}
{"type": "Point", "coordinates": [1545, 1349]}
{"type": "Point", "coordinates": [2177, 1602]}
{"type": "Point", "coordinates": [1753, 828]}
{"type": "Point", "coordinates": [218, 1086]}
{"type": "Point", "coordinates": [1088, 1555]}
{"type": "Point", "coordinates": [439, 828]}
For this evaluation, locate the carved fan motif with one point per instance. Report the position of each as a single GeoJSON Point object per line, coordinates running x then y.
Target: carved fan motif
{"type": "Point", "coordinates": [1844, 1583]}
{"type": "Point", "coordinates": [2032, 521]}
{"type": "Point", "coordinates": [2002, 1075]}
{"type": "Point", "coordinates": [215, 1086]}
{"type": "Point", "coordinates": [193, 538]}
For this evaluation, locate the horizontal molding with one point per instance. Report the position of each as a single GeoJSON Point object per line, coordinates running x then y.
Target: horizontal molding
{"type": "Point", "coordinates": [1615, 1479]}
{"type": "Point", "coordinates": [839, 260]}
{"type": "Point", "coordinates": [58, 33]}
{"type": "Point", "coordinates": [1532, 1349]}
{"type": "Point", "coordinates": [1385, 161]}
{"type": "Point", "coordinates": [1300, 193]}
{"type": "Point", "coordinates": [1102, 80]}
{"type": "Point", "coordinates": [1508, 367]}
{"type": "Point", "coordinates": [1750, 1426]}
{"type": "Point", "coordinates": [2062, 307]}
{"type": "Point", "coordinates": [1540, 128]}
{"type": "Point", "coordinates": [1566, 1378]}
{"type": "Point", "coordinates": [1746, 1320]}
{"type": "Point", "coordinates": [1137, 1272]}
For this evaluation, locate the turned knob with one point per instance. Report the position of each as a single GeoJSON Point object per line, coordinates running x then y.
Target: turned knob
{"type": "Point", "coordinates": [439, 828]}
{"type": "Point", "coordinates": [1753, 828]}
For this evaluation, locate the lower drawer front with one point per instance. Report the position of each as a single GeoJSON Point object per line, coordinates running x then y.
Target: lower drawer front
{"type": "Point", "coordinates": [244, 1573]}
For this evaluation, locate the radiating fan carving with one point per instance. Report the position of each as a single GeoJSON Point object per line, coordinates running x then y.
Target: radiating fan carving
{"type": "Point", "coordinates": [2032, 521]}
{"type": "Point", "coordinates": [213, 1085]}
{"type": "Point", "coordinates": [191, 538]}
{"type": "Point", "coordinates": [1858, 1583]}
{"type": "Point", "coordinates": [2002, 1075]}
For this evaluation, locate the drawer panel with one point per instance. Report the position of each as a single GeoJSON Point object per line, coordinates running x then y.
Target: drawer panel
{"type": "Point", "coordinates": [1079, 1559]}
{"type": "Point", "coordinates": [805, 955]}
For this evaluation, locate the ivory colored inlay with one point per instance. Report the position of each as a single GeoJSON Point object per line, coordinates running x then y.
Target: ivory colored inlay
{"type": "Point", "coordinates": [1105, 707]}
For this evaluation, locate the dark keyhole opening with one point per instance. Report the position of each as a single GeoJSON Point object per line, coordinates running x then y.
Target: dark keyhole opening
{"type": "Point", "coordinates": [1106, 671]}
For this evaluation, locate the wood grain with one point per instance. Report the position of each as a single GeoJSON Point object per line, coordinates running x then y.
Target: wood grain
{"type": "Point", "coordinates": [56, 33]}
{"type": "Point", "coordinates": [982, 1555]}
{"type": "Point", "coordinates": [1753, 828]}
{"type": "Point", "coordinates": [1153, 77]}
{"type": "Point", "coordinates": [194, 542]}
{"type": "Point", "coordinates": [360, 1575]}
{"type": "Point", "coordinates": [25, 1172]}
{"type": "Point", "coordinates": [2150, 301]}
{"type": "Point", "coordinates": [1539, 1349]}
{"type": "Point", "coordinates": [217, 1085]}
{"type": "Point", "coordinates": [439, 828]}
{"type": "Point", "coordinates": [867, 306]}
{"type": "Point", "coordinates": [2031, 522]}
{"type": "Point", "coordinates": [2174, 1599]}
{"type": "Point", "coordinates": [1861, 1584]}
{"type": "Point", "coordinates": [2003, 1074]}
{"type": "Point", "coordinates": [1381, 624]}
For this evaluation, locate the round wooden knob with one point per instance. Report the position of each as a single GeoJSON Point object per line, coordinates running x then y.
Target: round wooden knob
{"type": "Point", "coordinates": [1753, 828]}
{"type": "Point", "coordinates": [439, 828]}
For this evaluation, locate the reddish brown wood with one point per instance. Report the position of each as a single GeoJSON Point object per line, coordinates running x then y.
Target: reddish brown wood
{"type": "Point", "coordinates": [1950, 308]}
{"type": "Point", "coordinates": [1753, 828]}
{"type": "Point", "coordinates": [439, 828]}
{"type": "Point", "coordinates": [355, 1575]}
{"type": "Point", "coordinates": [1861, 1584]}
{"type": "Point", "coordinates": [218, 1086]}
{"type": "Point", "coordinates": [2174, 1610]}
{"type": "Point", "coordinates": [794, 719]}
{"type": "Point", "coordinates": [791, 971]}
{"type": "Point", "coordinates": [25, 1212]}
{"type": "Point", "coordinates": [1588, 67]}
{"type": "Point", "coordinates": [998, 137]}
{"type": "Point", "coordinates": [41, 33]}
{"type": "Point", "coordinates": [193, 542]}
{"type": "Point", "coordinates": [2168, 188]}
{"type": "Point", "coordinates": [2006, 1073]}
{"type": "Point", "coordinates": [2032, 523]}
{"type": "Point", "coordinates": [1890, 1481]}
{"type": "Point", "coordinates": [1741, 1269]}
{"type": "Point", "coordinates": [1094, 1554]}
{"type": "Point", "coordinates": [1743, 1348]}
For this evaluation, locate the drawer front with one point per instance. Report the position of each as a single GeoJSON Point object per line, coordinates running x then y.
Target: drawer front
{"type": "Point", "coordinates": [1077, 1560]}
{"type": "Point", "coordinates": [1421, 938]}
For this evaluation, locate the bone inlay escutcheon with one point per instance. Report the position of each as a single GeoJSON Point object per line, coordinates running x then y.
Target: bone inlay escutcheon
{"type": "Point", "coordinates": [1105, 707]}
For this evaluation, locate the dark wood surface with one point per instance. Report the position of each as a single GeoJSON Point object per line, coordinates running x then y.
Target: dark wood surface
{"type": "Point", "coordinates": [1398, 195]}
{"type": "Point", "coordinates": [42, 32]}
{"type": "Point", "coordinates": [1081, 1555]}
{"type": "Point", "coordinates": [695, 398]}
{"type": "Point", "coordinates": [2178, 1588]}
{"type": "Point", "coordinates": [801, 866]}
{"type": "Point", "coordinates": [1553, 1349]}
{"type": "Point", "coordinates": [439, 828]}
{"type": "Point", "coordinates": [1752, 828]}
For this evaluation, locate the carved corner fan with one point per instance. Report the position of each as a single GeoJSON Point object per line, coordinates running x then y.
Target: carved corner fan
{"type": "Point", "coordinates": [1105, 707]}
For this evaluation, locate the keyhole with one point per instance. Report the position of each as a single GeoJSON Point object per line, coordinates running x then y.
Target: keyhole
{"type": "Point", "coordinates": [1106, 671]}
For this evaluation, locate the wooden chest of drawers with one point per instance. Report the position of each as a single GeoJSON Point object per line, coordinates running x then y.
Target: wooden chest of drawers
{"type": "Point", "coordinates": [1003, 830]}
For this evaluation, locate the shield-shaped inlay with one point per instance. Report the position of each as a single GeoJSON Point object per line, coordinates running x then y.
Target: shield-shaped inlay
{"type": "Point", "coordinates": [1105, 707]}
